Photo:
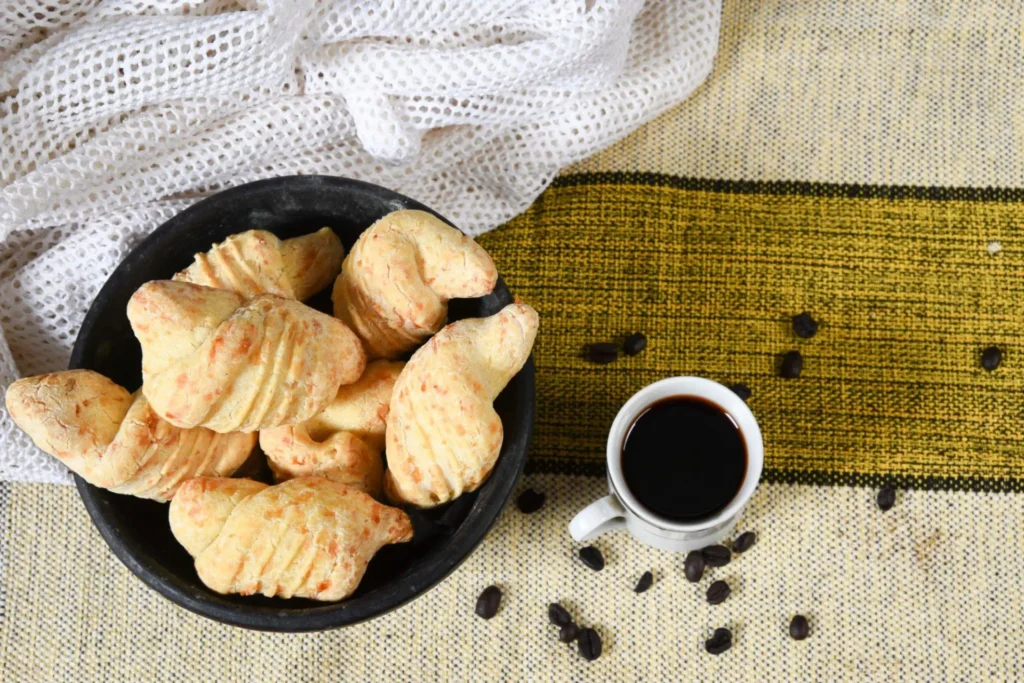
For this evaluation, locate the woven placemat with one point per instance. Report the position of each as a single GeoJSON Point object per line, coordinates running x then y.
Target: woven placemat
{"type": "Point", "coordinates": [901, 281]}
{"type": "Point", "coordinates": [842, 136]}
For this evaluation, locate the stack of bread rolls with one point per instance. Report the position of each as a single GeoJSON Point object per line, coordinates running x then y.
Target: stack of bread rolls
{"type": "Point", "coordinates": [231, 357]}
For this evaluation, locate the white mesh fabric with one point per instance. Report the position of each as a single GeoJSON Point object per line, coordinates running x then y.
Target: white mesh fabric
{"type": "Point", "coordinates": [116, 114]}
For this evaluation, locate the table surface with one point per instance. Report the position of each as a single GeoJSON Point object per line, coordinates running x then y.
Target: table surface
{"type": "Point", "coordinates": [825, 166]}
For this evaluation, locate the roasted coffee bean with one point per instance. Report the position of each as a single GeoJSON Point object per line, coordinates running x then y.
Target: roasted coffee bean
{"type": "Point", "coordinates": [568, 633]}
{"type": "Point", "coordinates": [792, 365]}
{"type": "Point", "coordinates": [719, 642]}
{"type": "Point", "coordinates": [634, 344]}
{"type": "Point", "coordinates": [529, 501]}
{"type": "Point", "coordinates": [886, 498]}
{"type": "Point", "coordinates": [716, 555]}
{"type": "Point", "coordinates": [991, 358]}
{"type": "Point", "coordinates": [592, 557]}
{"type": "Point", "coordinates": [644, 583]}
{"type": "Point", "coordinates": [799, 628]}
{"type": "Point", "coordinates": [693, 566]}
{"type": "Point", "coordinates": [589, 644]}
{"type": "Point", "coordinates": [743, 542]}
{"type": "Point", "coordinates": [804, 326]}
{"type": "Point", "coordinates": [602, 352]}
{"type": "Point", "coordinates": [488, 602]}
{"type": "Point", "coordinates": [741, 390]}
{"type": "Point", "coordinates": [718, 592]}
{"type": "Point", "coordinates": [558, 615]}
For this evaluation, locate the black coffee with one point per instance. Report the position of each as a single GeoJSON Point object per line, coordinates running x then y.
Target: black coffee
{"type": "Point", "coordinates": [684, 459]}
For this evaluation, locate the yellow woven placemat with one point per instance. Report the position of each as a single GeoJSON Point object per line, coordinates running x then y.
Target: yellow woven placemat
{"type": "Point", "coordinates": [901, 280]}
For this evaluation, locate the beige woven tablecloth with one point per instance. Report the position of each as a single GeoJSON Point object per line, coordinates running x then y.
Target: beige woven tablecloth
{"type": "Point", "coordinates": [827, 155]}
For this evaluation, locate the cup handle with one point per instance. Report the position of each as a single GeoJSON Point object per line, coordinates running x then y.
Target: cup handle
{"type": "Point", "coordinates": [598, 517]}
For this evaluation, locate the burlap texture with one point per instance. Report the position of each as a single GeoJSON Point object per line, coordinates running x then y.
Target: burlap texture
{"type": "Point", "coordinates": [921, 92]}
{"type": "Point", "coordinates": [888, 94]}
{"type": "Point", "coordinates": [929, 591]}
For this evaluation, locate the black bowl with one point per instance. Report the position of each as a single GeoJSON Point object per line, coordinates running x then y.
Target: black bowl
{"type": "Point", "coordinates": [137, 530]}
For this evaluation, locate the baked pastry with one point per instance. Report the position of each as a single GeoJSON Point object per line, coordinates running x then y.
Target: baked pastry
{"type": "Point", "coordinates": [203, 509]}
{"type": "Point", "coordinates": [344, 441]}
{"type": "Point", "coordinates": [257, 262]}
{"type": "Point", "coordinates": [395, 284]}
{"type": "Point", "coordinates": [210, 358]}
{"type": "Point", "coordinates": [308, 537]}
{"type": "Point", "coordinates": [113, 439]}
{"type": "Point", "coordinates": [443, 435]}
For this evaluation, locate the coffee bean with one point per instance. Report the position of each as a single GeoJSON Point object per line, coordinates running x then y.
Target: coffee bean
{"type": "Point", "coordinates": [741, 390]}
{"type": "Point", "coordinates": [693, 566]}
{"type": "Point", "coordinates": [886, 498]}
{"type": "Point", "coordinates": [804, 326]}
{"type": "Point", "coordinates": [488, 602]}
{"type": "Point", "coordinates": [792, 365]}
{"type": "Point", "coordinates": [634, 344]}
{"type": "Point", "coordinates": [568, 633]}
{"type": "Point", "coordinates": [644, 583]}
{"type": "Point", "coordinates": [743, 542]}
{"type": "Point", "coordinates": [716, 555]}
{"type": "Point", "coordinates": [558, 615]}
{"type": "Point", "coordinates": [602, 352]}
{"type": "Point", "coordinates": [799, 628]}
{"type": "Point", "coordinates": [529, 501]}
{"type": "Point", "coordinates": [592, 557]}
{"type": "Point", "coordinates": [991, 358]}
{"type": "Point", "coordinates": [719, 642]}
{"type": "Point", "coordinates": [718, 592]}
{"type": "Point", "coordinates": [589, 644]}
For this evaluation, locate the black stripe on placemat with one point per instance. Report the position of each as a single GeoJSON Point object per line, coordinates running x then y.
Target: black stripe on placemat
{"type": "Point", "coordinates": [900, 481]}
{"type": "Point", "coordinates": [791, 187]}
{"type": "Point", "coordinates": [595, 468]}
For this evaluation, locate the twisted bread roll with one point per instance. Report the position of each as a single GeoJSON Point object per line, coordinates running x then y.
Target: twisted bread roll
{"type": "Point", "coordinates": [257, 262]}
{"type": "Point", "coordinates": [308, 537]}
{"type": "Point", "coordinates": [343, 442]}
{"type": "Point", "coordinates": [114, 440]}
{"type": "Point", "coordinates": [443, 435]}
{"type": "Point", "coordinates": [212, 359]}
{"type": "Point", "coordinates": [394, 286]}
{"type": "Point", "coordinates": [203, 508]}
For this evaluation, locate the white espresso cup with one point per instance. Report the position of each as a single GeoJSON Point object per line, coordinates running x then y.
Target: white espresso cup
{"type": "Point", "coordinates": [621, 509]}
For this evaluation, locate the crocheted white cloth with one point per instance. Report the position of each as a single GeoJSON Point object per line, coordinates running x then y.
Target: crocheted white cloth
{"type": "Point", "coordinates": [116, 114]}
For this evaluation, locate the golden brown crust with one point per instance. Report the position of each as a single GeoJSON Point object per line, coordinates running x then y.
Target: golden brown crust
{"type": "Point", "coordinates": [395, 285]}
{"type": "Point", "coordinates": [115, 440]}
{"type": "Point", "coordinates": [312, 262]}
{"type": "Point", "coordinates": [361, 407]}
{"type": "Point", "coordinates": [343, 442]}
{"type": "Point", "coordinates": [308, 537]}
{"type": "Point", "coordinates": [257, 262]}
{"type": "Point", "coordinates": [202, 506]}
{"type": "Point", "coordinates": [443, 435]}
{"type": "Point", "coordinates": [172, 319]}
{"type": "Point", "coordinates": [342, 457]}
{"type": "Point", "coordinates": [270, 361]}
